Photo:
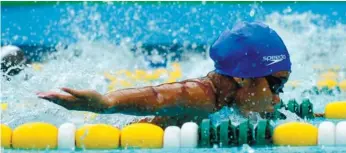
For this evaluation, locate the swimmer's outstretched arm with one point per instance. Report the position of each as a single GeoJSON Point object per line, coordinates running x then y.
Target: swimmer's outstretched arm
{"type": "Point", "coordinates": [171, 99]}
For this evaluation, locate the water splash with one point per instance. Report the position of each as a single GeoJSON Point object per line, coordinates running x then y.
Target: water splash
{"type": "Point", "coordinates": [81, 65]}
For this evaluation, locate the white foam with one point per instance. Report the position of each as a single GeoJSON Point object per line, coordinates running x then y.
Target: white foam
{"type": "Point", "coordinates": [307, 38]}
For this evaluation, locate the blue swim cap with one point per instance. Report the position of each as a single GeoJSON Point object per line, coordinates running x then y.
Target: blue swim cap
{"type": "Point", "coordinates": [250, 50]}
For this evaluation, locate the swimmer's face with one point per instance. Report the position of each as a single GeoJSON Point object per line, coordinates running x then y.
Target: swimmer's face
{"type": "Point", "coordinates": [260, 94]}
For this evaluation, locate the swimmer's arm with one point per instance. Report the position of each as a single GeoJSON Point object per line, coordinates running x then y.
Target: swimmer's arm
{"type": "Point", "coordinates": [171, 99]}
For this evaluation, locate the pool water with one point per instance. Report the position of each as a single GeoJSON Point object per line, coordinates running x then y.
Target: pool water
{"type": "Point", "coordinates": [242, 149]}
{"type": "Point", "coordinates": [77, 43]}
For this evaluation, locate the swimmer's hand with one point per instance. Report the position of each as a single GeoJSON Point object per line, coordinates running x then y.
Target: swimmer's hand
{"type": "Point", "coordinates": [83, 100]}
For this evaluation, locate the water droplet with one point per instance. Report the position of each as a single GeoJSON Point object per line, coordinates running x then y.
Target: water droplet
{"type": "Point", "coordinates": [175, 41]}
{"type": "Point", "coordinates": [252, 12]}
{"type": "Point", "coordinates": [287, 10]}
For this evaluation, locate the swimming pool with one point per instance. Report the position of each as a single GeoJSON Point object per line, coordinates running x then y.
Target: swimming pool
{"type": "Point", "coordinates": [86, 44]}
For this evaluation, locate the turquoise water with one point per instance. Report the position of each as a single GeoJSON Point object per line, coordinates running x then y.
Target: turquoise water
{"type": "Point", "coordinates": [244, 149]}
{"type": "Point", "coordinates": [89, 39]}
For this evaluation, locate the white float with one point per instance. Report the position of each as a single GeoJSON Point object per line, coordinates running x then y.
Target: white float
{"type": "Point", "coordinates": [171, 138]}
{"type": "Point", "coordinates": [189, 135]}
{"type": "Point", "coordinates": [326, 133]}
{"type": "Point", "coordinates": [340, 137]}
{"type": "Point", "coordinates": [66, 136]}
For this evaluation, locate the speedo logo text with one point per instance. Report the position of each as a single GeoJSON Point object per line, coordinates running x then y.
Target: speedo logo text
{"type": "Point", "coordinates": [274, 59]}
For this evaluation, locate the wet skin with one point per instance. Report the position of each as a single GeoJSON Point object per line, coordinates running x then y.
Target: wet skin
{"type": "Point", "coordinates": [179, 102]}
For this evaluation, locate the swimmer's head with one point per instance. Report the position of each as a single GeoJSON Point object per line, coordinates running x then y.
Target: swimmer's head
{"type": "Point", "coordinates": [12, 60]}
{"type": "Point", "coordinates": [257, 58]}
{"type": "Point", "coordinates": [250, 50]}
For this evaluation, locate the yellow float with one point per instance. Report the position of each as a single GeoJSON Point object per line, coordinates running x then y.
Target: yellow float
{"type": "Point", "coordinates": [336, 110]}
{"type": "Point", "coordinates": [329, 75]}
{"type": "Point", "coordinates": [342, 85]}
{"type": "Point", "coordinates": [126, 78]}
{"type": "Point", "coordinates": [330, 83]}
{"type": "Point", "coordinates": [35, 135]}
{"type": "Point", "coordinates": [6, 134]}
{"type": "Point", "coordinates": [97, 136]}
{"type": "Point", "coordinates": [142, 135]}
{"type": "Point", "coordinates": [3, 106]}
{"type": "Point", "coordinates": [37, 66]}
{"type": "Point", "coordinates": [295, 134]}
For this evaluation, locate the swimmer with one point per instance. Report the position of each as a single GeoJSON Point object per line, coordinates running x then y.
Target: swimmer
{"type": "Point", "coordinates": [12, 60]}
{"type": "Point", "coordinates": [252, 65]}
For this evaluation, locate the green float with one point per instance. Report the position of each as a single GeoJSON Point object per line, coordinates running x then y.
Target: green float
{"type": "Point", "coordinates": [205, 133]}
{"type": "Point", "coordinates": [293, 106]}
{"type": "Point", "coordinates": [227, 134]}
{"type": "Point", "coordinates": [263, 133]}
{"type": "Point", "coordinates": [277, 114]}
{"type": "Point", "coordinates": [214, 135]}
{"type": "Point", "coordinates": [243, 133]}
{"type": "Point", "coordinates": [306, 109]}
